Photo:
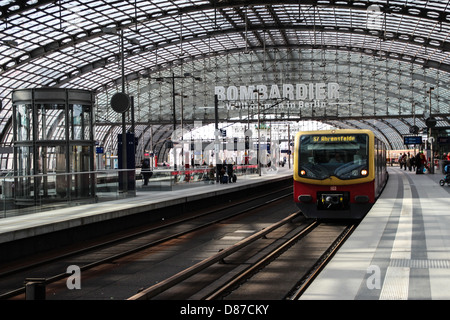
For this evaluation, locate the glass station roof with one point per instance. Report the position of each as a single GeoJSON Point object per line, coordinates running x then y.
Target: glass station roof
{"type": "Point", "coordinates": [363, 63]}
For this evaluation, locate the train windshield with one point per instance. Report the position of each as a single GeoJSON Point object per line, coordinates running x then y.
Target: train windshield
{"type": "Point", "coordinates": [341, 155]}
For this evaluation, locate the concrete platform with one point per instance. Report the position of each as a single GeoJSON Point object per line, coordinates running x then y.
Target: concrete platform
{"type": "Point", "coordinates": [23, 227]}
{"type": "Point", "coordinates": [400, 251]}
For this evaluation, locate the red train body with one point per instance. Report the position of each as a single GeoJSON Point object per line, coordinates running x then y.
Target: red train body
{"type": "Point", "coordinates": [338, 174]}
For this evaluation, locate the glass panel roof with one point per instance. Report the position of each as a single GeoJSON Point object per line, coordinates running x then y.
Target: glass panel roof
{"type": "Point", "coordinates": [346, 63]}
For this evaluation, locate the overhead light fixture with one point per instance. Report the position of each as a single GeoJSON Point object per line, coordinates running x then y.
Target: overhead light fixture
{"type": "Point", "coordinates": [109, 30]}
{"type": "Point", "coordinates": [134, 41]}
{"type": "Point", "coordinates": [188, 74]}
{"type": "Point", "coordinates": [11, 43]}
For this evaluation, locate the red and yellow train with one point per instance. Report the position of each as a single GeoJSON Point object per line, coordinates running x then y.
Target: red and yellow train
{"type": "Point", "coordinates": [338, 174]}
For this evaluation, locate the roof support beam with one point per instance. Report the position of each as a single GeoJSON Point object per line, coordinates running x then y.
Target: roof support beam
{"type": "Point", "coordinates": [409, 9]}
{"type": "Point", "coordinates": [73, 40]}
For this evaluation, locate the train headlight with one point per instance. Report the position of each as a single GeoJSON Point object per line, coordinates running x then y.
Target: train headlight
{"type": "Point", "coordinates": [302, 172]}
{"type": "Point", "coordinates": [364, 172]}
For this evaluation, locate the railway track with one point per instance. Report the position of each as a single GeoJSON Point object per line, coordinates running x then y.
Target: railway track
{"type": "Point", "coordinates": [105, 253]}
{"type": "Point", "coordinates": [281, 270]}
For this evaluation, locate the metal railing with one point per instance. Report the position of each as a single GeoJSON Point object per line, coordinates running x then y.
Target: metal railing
{"type": "Point", "coordinates": [27, 194]}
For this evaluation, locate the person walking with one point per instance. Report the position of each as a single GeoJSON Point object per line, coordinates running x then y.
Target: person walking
{"type": "Point", "coordinates": [408, 162]}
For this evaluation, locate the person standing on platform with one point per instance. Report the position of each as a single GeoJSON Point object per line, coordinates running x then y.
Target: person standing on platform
{"type": "Point", "coordinates": [408, 161]}
{"type": "Point", "coordinates": [418, 162]}
{"type": "Point", "coordinates": [400, 157]}
{"type": "Point", "coordinates": [145, 170]}
{"type": "Point", "coordinates": [422, 163]}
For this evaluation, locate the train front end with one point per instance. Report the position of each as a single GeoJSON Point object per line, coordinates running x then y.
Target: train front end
{"type": "Point", "coordinates": [334, 173]}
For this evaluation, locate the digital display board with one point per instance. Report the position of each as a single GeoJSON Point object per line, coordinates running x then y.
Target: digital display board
{"type": "Point", "coordinates": [334, 138]}
{"type": "Point", "coordinates": [443, 140]}
{"type": "Point", "coordinates": [413, 140]}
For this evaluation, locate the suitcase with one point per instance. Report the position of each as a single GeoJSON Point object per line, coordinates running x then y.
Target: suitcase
{"type": "Point", "coordinates": [225, 179]}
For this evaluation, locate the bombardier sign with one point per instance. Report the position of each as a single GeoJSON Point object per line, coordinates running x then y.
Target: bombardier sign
{"type": "Point", "coordinates": [307, 95]}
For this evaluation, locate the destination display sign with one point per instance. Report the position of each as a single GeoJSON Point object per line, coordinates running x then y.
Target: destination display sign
{"type": "Point", "coordinates": [443, 140]}
{"type": "Point", "coordinates": [412, 140]}
{"type": "Point", "coordinates": [334, 138]}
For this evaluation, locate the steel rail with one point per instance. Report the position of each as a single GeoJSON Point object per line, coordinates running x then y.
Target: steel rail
{"type": "Point", "coordinates": [183, 275]}
{"type": "Point", "coordinates": [326, 257]}
{"type": "Point", "coordinates": [58, 277]}
{"type": "Point", "coordinates": [260, 263]}
{"type": "Point", "coordinates": [139, 233]}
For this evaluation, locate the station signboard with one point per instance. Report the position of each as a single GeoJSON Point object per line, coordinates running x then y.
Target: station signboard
{"type": "Point", "coordinates": [412, 140]}
{"type": "Point", "coordinates": [443, 140]}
